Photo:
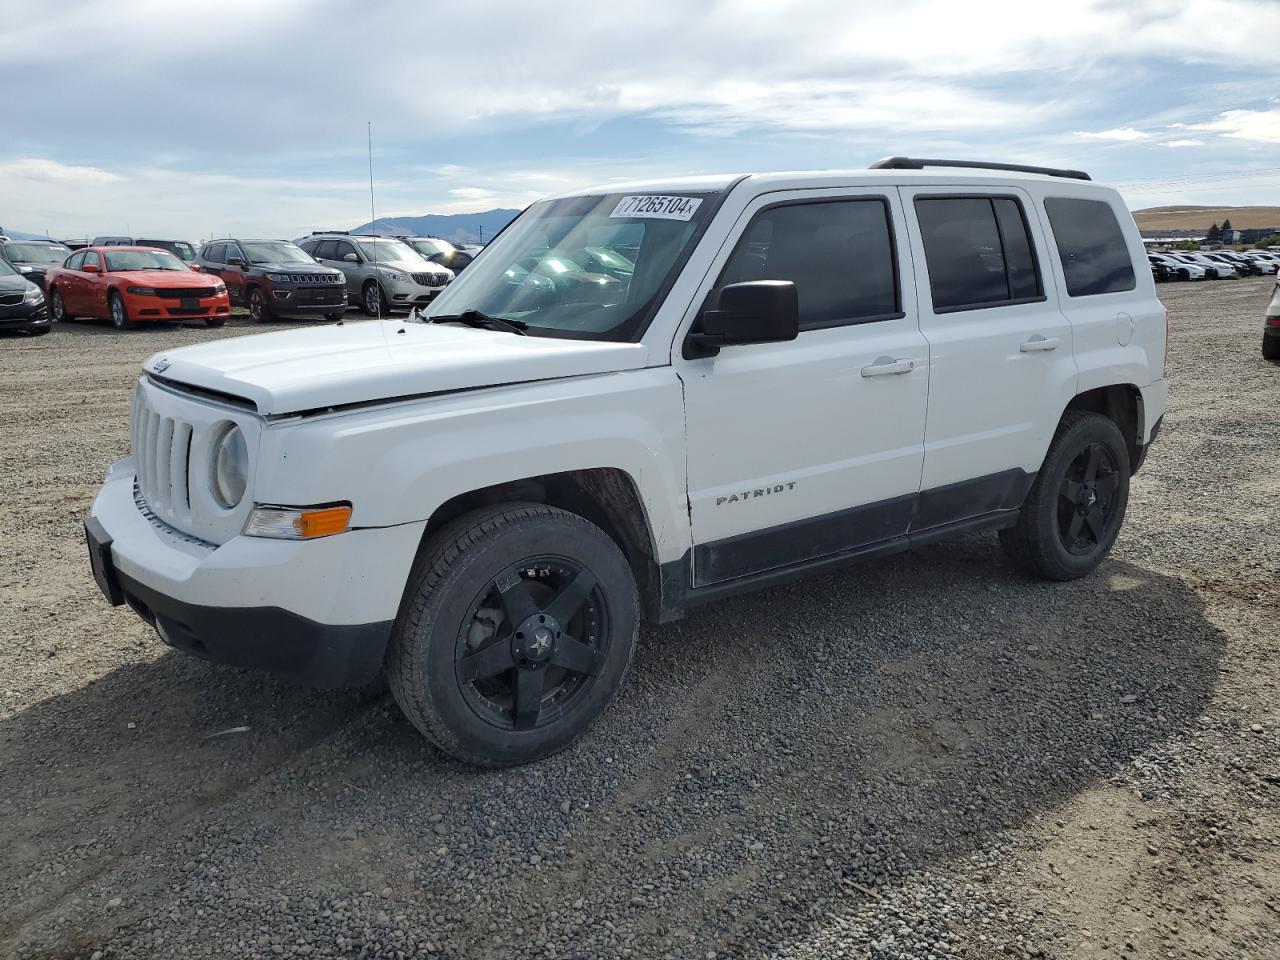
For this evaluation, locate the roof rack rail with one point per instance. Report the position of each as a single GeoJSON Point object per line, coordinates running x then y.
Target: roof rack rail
{"type": "Point", "coordinates": [919, 163]}
{"type": "Point", "coordinates": [316, 233]}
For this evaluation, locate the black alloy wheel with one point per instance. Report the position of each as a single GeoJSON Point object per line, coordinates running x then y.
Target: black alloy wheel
{"type": "Point", "coordinates": [516, 630]}
{"type": "Point", "coordinates": [534, 641]}
{"type": "Point", "coordinates": [1073, 514]}
{"type": "Point", "coordinates": [1087, 500]}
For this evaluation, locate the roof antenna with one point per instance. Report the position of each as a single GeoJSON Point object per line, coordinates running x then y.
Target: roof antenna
{"type": "Point", "coordinates": [373, 222]}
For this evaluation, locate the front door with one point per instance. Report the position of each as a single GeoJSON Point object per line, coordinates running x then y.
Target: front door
{"type": "Point", "coordinates": [810, 448]}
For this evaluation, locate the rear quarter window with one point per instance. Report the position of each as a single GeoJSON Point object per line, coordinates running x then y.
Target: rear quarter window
{"type": "Point", "coordinates": [1091, 246]}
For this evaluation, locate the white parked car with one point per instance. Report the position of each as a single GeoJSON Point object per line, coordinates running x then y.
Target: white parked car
{"type": "Point", "coordinates": [1213, 270]}
{"type": "Point", "coordinates": [794, 370]}
{"type": "Point", "coordinates": [1180, 269]}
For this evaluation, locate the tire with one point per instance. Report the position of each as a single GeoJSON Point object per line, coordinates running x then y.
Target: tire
{"type": "Point", "coordinates": [215, 322]}
{"type": "Point", "coordinates": [259, 307]}
{"type": "Point", "coordinates": [373, 300]}
{"type": "Point", "coordinates": [468, 645]}
{"type": "Point", "coordinates": [1184, 274]}
{"type": "Point", "coordinates": [119, 315]}
{"type": "Point", "coordinates": [58, 309]}
{"type": "Point", "coordinates": [1271, 348]}
{"type": "Point", "coordinates": [1073, 514]}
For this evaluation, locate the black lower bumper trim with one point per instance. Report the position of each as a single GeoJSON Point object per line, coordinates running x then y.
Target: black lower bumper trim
{"type": "Point", "coordinates": [265, 638]}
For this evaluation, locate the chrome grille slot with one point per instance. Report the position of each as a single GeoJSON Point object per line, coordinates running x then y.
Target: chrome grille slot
{"type": "Point", "coordinates": [179, 464]}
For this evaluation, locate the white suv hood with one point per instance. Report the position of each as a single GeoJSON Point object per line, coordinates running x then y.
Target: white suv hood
{"type": "Point", "coordinates": [335, 365]}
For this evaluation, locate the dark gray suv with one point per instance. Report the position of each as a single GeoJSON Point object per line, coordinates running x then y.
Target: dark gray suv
{"type": "Point", "coordinates": [275, 278]}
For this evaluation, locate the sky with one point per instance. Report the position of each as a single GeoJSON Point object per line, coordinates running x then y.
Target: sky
{"type": "Point", "coordinates": [247, 118]}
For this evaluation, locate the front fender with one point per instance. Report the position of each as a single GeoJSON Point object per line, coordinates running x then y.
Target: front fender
{"type": "Point", "coordinates": [397, 463]}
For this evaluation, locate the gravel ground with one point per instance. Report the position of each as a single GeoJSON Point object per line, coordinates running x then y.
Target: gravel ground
{"type": "Point", "coordinates": [924, 757]}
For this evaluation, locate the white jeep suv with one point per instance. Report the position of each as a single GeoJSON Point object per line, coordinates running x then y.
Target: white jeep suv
{"type": "Point", "coordinates": [776, 374]}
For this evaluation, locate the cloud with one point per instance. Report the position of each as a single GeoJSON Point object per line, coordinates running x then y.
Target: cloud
{"type": "Point", "coordinates": [1262, 126]}
{"type": "Point", "coordinates": [43, 170]}
{"type": "Point", "coordinates": [472, 193]}
{"type": "Point", "coordinates": [1187, 142]}
{"type": "Point", "coordinates": [1123, 134]}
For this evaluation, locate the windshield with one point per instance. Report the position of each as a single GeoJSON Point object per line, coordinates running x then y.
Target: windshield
{"type": "Point", "coordinates": [179, 248]}
{"type": "Point", "coordinates": [431, 246]}
{"type": "Point", "coordinates": [387, 250]}
{"type": "Point", "coordinates": [121, 260]}
{"type": "Point", "coordinates": [36, 252]}
{"type": "Point", "coordinates": [275, 252]}
{"type": "Point", "coordinates": [6, 270]}
{"type": "Point", "coordinates": [583, 267]}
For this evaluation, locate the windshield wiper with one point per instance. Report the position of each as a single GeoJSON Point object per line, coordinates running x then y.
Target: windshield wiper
{"type": "Point", "coordinates": [474, 318]}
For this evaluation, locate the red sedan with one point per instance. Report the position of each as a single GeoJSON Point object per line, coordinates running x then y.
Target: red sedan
{"type": "Point", "coordinates": [132, 285]}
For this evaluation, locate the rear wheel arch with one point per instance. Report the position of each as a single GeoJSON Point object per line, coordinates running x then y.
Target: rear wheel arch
{"type": "Point", "coordinates": [606, 496]}
{"type": "Point", "coordinates": [1122, 404]}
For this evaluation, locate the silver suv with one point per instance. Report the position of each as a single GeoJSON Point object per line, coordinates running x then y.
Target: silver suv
{"type": "Point", "coordinates": [382, 274]}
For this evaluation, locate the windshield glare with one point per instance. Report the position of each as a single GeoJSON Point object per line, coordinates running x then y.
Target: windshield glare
{"type": "Point", "coordinates": [142, 260]}
{"type": "Point", "coordinates": [583, 267]}
{"type": "Point", "coordinates": [387, 250]}
{"type": "Point", "coordinates": [36, 252]}
{"type": "Point", "coordinates": [278, 252]}
{"type": "Point", "coordinates": [179, 248]}
{"type": "Point", "coordinates": [431, 246]}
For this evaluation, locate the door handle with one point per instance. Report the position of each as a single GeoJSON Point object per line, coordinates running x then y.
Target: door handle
{"type": "Point", "coordinates": [1039, 344]}
{"type": "Point", "coordinates": [887, 367]}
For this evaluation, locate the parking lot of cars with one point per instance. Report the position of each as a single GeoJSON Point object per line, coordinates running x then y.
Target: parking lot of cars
{"type": "Point", "coordinates": [1043, 783]}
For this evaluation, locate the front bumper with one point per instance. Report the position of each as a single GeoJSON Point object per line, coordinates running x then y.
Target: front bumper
{"type": "Point", "coordinates": [309, 301]}
{"type": "Point", "coordinates": [407, 294]}
{"type": "Point", "coordinates": [166, 308]}
{"type": "Point", "coordinates": [316, 612]}
{"type": "Point", "coordinates": [24, 317]}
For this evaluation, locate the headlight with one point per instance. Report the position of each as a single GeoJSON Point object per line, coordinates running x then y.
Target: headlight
{"type": "Point", "coordinates": [219, 288]}
{"type": "Point", "coordinates": [22, 269]}
{"type": "Point", "coordinates": [392, 274]}
{"type": "Point", "coordinates": [279, 277]}
{"type": "Point", "coordinates": [34, 295]}
{"type": "Point", "coordinates": [230, 467]}
{"type": "Point", "coordinates": [143, 291]}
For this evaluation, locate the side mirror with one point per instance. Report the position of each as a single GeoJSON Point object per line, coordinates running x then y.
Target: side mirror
{"type": "Point", "coordinates": [350, 258]}
{"type": "Point", "coordinates": [235, 261]}
{"type": "Point", "coordinates": [90, 268]}
{"type": "Point", "coordinates": [756, 311]}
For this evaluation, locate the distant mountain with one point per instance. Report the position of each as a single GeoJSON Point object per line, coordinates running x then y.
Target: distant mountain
{"type": "Point", "coordinates": [457, 227]}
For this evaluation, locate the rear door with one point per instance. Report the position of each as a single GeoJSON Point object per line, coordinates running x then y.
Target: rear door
{"type": "Point", "coordinates": [1000, 348]}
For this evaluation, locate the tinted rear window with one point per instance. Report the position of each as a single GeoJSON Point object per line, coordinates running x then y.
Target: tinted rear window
{"type": "Point", "coordinates": [1095, 257]}
{"type": "Point", "coordinates": [978, 252]}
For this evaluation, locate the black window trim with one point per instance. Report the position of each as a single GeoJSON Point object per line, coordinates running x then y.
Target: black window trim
{"type": "Point", "coordinates": [808, 202]}
{"type": "Point", "coordinates": [1031, 242]}
{"type": "Point", "coordinates": [1058, 250]}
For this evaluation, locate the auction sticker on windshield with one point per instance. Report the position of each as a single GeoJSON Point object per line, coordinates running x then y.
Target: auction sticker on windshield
{"type": "Point", "coordinates": [657, 208]}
